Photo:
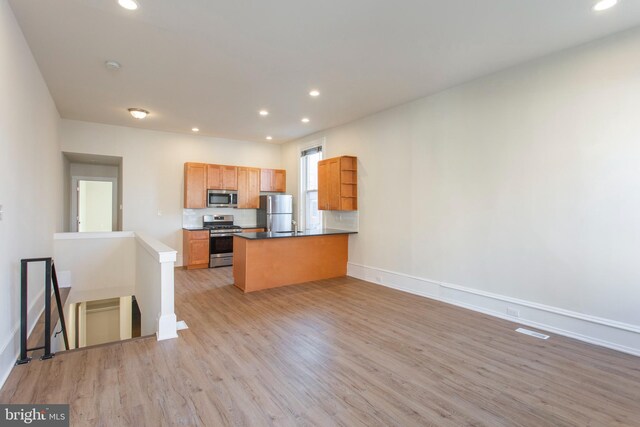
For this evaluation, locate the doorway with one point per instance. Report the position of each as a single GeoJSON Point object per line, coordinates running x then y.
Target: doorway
{"type": "Point", "coordinates": [95, 206]}
{"type": "Point", "coordinates": [92, 193]}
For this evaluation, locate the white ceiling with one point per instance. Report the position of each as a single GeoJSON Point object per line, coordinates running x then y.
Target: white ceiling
{"type": "Point", "coordinates": [214, 63]}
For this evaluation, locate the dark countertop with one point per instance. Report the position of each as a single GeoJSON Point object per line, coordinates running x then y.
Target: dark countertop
{"type": "Point", "coordinates": [305, 233]}
{"type": "Point", "coordinates": [200, 228]}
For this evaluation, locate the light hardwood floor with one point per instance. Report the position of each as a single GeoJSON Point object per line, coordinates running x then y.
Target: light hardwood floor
{"type": "Point", "coordinates": [336, 352]}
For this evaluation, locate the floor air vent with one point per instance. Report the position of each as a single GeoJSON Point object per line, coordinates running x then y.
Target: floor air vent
{"type": "Point", "coordinates": [532, 333]}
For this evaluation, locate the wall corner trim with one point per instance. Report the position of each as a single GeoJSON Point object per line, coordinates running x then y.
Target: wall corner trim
{"type": "Point", "coordinates": [603, 332]}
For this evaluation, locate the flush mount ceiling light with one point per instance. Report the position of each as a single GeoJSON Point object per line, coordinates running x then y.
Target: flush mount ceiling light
{"type": "Point", "coordinates": [112, 65]}
{"type": "Point", "coordinates": [128, 4]}
{"type": "Point", "coordinates": [604, 5]}
{"type": "Point", "coordinates": [269, 138]}
{"type": "Point", "coordinates": [195, 130]}
{"type": "Point", "coordinates": [305, 120]}
{"type": "Point", "coordinates": [263, 113]}
{"type": "Point", "coordinates": [314, 93]}
{"type": "Point", "coordinates": [138, 113]}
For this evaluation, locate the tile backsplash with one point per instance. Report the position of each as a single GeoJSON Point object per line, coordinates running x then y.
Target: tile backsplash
{"type": "Point", "coordinates": [342, 220]}
{"type": "Point", "coordinates": [192, 218]}
{"type": "Point", "coordinates": [241, 217]}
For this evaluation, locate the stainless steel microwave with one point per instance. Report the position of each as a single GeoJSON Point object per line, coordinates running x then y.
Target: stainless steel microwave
{"type": "Point", "coordinates": [222, 199]}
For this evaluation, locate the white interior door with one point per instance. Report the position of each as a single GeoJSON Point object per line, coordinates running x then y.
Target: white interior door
{"type": "Point", "coordinates": [95, 206]}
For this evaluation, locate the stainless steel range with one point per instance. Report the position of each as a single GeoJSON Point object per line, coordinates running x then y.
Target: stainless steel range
{"type": "Point", "coordinates": [221, 231]}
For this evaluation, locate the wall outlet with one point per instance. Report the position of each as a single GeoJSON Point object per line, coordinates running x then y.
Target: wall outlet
{"type": "Point", "coordinates": [513, 312]}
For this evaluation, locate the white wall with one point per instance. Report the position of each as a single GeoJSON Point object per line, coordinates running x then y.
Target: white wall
{"type": "Point", "coordinates": [30, 179]}
{"type": "Point", "coordinates": [524, 184]}
{"type": "Point", "coordinates": [99, 265]}
{"type": "Point", "coordinates": [152, 169]}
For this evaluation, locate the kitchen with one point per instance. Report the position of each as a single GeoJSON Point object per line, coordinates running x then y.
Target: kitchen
{"type": "Point", "coordinates": [501, 137]}
{"type": "Point", "coordinates": [215, 240]}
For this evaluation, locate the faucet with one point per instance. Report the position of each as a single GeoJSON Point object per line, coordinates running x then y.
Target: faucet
{"type": "Point", "coordinates": [295, 226]}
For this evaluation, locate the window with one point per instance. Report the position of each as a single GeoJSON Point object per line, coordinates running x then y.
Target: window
{"type": "Point", "coordinates": [310, 216]}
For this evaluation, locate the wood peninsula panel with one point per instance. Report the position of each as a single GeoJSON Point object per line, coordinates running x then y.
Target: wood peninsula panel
{"type": "Point", "coordinates": [271, 263]}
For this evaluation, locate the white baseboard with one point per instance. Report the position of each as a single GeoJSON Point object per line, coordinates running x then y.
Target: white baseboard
{"type": "Point", "coordinates": [615, 335]}
{"type": "Point", "coordinates": [10, 350]}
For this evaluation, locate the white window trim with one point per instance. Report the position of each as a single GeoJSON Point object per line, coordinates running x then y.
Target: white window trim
{"type": "Point", "coordinates": [320, 142]}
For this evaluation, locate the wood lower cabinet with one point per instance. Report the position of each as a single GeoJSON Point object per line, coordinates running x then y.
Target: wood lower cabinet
{"type": "Point", "coordinates": [221, 177]}
{"type": "Point", "coordinates": [248, 188]}
{"type": "Point", "coordinates": [195, 185]}
{"type": "Point", "coordinates": [195, 249]}
{"type": "Point", "coordinates": [338, 184]}
{"type": "Point", "coordinates": [273, 180]}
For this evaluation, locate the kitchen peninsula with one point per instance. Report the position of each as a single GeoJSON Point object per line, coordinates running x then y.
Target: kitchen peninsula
{"type": "Point", "coordinates": [270, 260]}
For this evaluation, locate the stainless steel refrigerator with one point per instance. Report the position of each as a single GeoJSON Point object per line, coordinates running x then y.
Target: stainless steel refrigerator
{"type": "Point", "coordinates": [276, 212]}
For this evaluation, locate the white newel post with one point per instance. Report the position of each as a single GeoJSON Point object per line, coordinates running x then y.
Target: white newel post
{"type": "Point", "coordinates": [167, 316]}
{"type": "Point", "coordinates": [155, 287]}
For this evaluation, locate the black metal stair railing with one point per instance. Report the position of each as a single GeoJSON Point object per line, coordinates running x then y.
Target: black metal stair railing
{"type": "Point", "coordinates": [50, 277]}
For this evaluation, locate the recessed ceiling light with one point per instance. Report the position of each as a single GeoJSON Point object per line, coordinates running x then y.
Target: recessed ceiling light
{"type": "Point", "coordinates": [263, 112]}
{"type": "Point", "coordinates": [128, 4]}
{"type": "Point", "coordinates": [305, 120]}
{"type": "Point", "coordinates": [112, 65]}
{"type": "Point", "coordinates": [269, 138]}
{"type": "Point", "coordinates": [604, 5]}
{"type": "Point", "coordinates": [138, 113]}
{"type": "Point", "coordinates": [195, 130]}
{"type": "Point", "coordinates": [314, 93]}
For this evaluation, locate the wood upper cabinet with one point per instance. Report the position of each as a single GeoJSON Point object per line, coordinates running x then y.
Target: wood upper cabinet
{"type": "Point", "coordinates": [248, 182]}
{"type": "Point", "coordinates": [273, 180]}
{"type": "Point", "coordinates": [195, 249]}
{"type": "Point", "coordinates": [221, 177]}
{"type": "Point", "coordinates": [280, 180]}
{"type": "Point", "coordinates": [195, 185]}
{"type": "Point", "coordinates": [323, 185]}
{"type": "Point", "coordinates": [338, 184]}
{"type": "Point", "coordinates": [248, 188]}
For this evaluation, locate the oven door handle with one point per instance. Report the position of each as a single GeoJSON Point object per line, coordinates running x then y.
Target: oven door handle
{"type": "Point", "coordinates": [223, 235]}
